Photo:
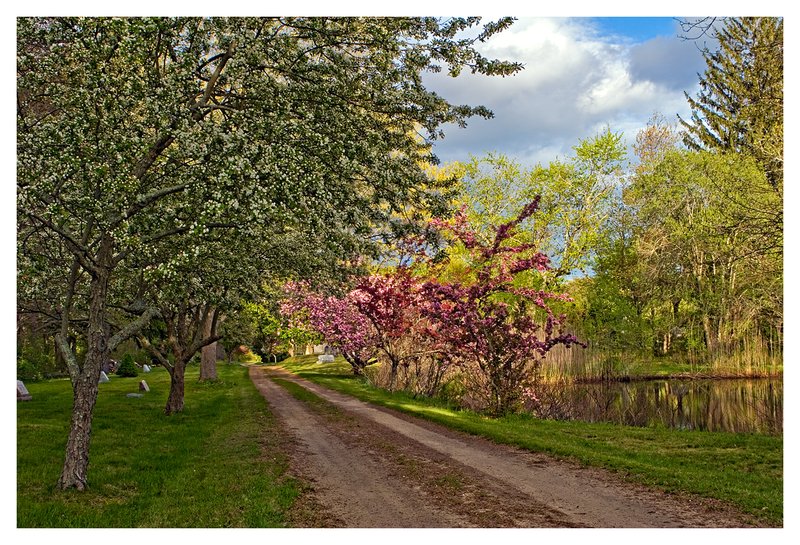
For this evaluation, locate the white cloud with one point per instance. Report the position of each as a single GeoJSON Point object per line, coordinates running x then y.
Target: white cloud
{"type": "Point", "coordinates": [575, 82]}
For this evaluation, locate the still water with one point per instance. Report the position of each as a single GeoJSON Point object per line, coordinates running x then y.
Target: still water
{"type": "Point", "coordinates": [737, 405]}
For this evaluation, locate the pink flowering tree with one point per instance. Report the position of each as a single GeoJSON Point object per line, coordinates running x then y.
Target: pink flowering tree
{"type": "Point", "coordinates": [343, 326]}
{"type": "Point", "coordinates": [336, 319]}
{"type": "Point", "coordinates": [391, 304]}
{"type": "Point", "coordinates": [494, 325]}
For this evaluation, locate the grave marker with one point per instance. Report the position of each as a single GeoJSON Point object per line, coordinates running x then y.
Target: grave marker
{"type": "Point", "coordinates": [22, 392]}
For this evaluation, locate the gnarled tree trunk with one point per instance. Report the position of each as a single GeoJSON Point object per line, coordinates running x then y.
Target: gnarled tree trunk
{"type": "Point", "coordinates": [85, 379]}
{"type": "Point", "coordinates": [76, 460]}
{"type": "Point", "coordinates": [176, 388]}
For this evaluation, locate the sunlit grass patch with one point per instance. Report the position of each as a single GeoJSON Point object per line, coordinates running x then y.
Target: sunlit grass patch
{"type": "Point", "coordinates": [220, 463]}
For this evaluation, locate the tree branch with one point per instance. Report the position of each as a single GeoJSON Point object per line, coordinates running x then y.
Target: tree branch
{"type": "Point", "coordinates": [212, 82]}
{"type": "Point", "coordinates": [153, 351]}
{"type": "Point", "coordinates": [69, 357]}
{"type": "Point", "coordinates": [152, 154]}
{"type": "Point", "coordinates": [144, 200]}
{"type": "Point", "coordinates": [76, 248]}
{"type": "Point", "coordinates": [132, 328]}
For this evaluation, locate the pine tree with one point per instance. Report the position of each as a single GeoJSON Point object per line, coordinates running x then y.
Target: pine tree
{"type": "Point", "coordinates": [740, 104]}
{"type": "Point", "coordinates": [127, 367]}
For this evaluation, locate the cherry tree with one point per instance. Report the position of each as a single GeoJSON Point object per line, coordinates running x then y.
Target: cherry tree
{"type": "Point", "coordinates": [494, 324]}
{"type": "Point", "coordinates": [390, 302]}
{"type": "Point", "coordinates": [337, 319]}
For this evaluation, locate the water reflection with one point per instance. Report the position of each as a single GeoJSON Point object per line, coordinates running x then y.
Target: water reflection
{"type": "Point", "coordinates": [714, 405]}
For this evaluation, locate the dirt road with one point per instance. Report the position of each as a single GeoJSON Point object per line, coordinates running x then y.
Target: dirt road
{"type": "Point", "coordinates": [376, 468]}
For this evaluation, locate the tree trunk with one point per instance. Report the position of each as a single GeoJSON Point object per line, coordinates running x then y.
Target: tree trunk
{"type": "Point", "coordinates": [208, 362]}
{"type": "Point", "coordinates": [76, 461]}
{"type": "Point", "coordinates": [85, 380]}
{"type": "Point", "coordinates": [176, 388]}
{"type": "Point", "coordinates": [665, 344]}
{"type": "Point", "coordinates": [208, 357]}
{"type": "Point", "coordinates": [711, 336]}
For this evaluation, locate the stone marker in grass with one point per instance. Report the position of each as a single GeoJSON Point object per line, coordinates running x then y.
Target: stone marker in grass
{"type": "Point", "coordinates": [22, 392]}
{"type": "Point", "coordinates": [146, 368]}
{"type": "Point", "coordinates": [104, 377]}
{"type": "Point", "coordinates": [143, 386]}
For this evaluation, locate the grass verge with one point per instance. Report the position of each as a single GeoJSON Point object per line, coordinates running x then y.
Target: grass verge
{"type": "Point", "coordinates": [745, 470]}
{"type": "Point", "coordinates": [220, 463]}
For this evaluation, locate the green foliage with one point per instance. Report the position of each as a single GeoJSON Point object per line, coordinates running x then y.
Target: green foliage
{"type": "Point", "coordinates": [699, 242]}
{"type": "Point", "coordinates": [259, 325]}
{"type": "Point", "coordinates": [576, 193]}
{"type": "Point", "coordinates": [689, 263]}
{"type": "Point", "coordinates": [248, 356]}
{"type": "Point", "coordinates": [27, 370]}
{"type": "Point", "coordinates": [35, 357]}
{"type": "Point", "coordinates": [127, 367]}
{"type": "Point", "coordinates": [222, 463]}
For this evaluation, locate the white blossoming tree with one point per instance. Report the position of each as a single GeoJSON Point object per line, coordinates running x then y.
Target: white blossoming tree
{"type": "Point", "coordinates": [141, 140]}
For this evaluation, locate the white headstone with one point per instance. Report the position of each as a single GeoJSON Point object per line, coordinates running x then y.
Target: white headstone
{"type": "Point", "coordinates": [104, 377]}
{"type": "Point", "coordinates": [143, 386]}
{"type": "Point", "coordinates": [22, 392]}
{"type": "Point", "coordinates": [325, 358]}
{"type": "Point", "coordinates": [134, 395]}
{"type": "Point", "coordinates": [146, 368]}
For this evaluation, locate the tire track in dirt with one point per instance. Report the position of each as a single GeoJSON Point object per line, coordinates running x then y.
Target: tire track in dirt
{"type": "Point", "coordinates": [561, 494]}
{"type": "Point", "coordinates": [345, 480]}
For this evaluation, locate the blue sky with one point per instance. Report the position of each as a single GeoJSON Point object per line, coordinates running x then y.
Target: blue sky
{"type": "Point", "coordinates": [637, 28]}
{"type": "Point", "coordinates": [581, 75]}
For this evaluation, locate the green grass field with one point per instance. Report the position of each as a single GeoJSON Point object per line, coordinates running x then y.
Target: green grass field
{"type": "Point", "coordinates": [221, 464]}
{"type": "Point", "coordinates": [745, 470]}
{"type": "Point", "coordinates": [218, 464]}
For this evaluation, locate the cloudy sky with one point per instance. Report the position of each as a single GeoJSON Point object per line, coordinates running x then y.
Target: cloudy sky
{"type": "Point", "coordinates": [581, 74]}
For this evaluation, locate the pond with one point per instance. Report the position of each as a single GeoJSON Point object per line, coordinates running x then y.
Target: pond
{"type": "Point", "coordinates": [736, 405]}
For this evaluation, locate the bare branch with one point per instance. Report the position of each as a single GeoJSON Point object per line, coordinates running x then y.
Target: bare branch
{"type": "Point", "coordinates": [694, 29]}
{"type": "Point", "coordinates": [155, 352]}
{"type": "Point", "coordinates": [67, 354]}
{"type": "Point", "coordinates": [132, 328]}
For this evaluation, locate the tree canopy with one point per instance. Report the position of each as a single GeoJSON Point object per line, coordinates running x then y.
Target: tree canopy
{"type": "Point", "coordinates": [142, 140]}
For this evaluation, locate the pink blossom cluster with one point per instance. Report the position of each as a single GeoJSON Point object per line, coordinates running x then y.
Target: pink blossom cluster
{"type": "Point", "coordinates": [337, 319]}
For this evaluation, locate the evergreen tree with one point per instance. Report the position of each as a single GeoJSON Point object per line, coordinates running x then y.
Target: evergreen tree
{"type": "Point", "coordinates": [740, 104]}
{"type": "Point", "coordinates": [127, 367]}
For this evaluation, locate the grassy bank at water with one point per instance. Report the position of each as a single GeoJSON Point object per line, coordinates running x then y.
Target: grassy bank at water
{"type": "Point", "coordinates": [218, 464]}
{"type": "Point", "coordinates": [745, 470]}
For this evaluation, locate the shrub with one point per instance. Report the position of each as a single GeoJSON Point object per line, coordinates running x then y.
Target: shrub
{"type": "Point", "coordinates": [127, 367]}
{"type": "Point", "coordinates": [27, 370]}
